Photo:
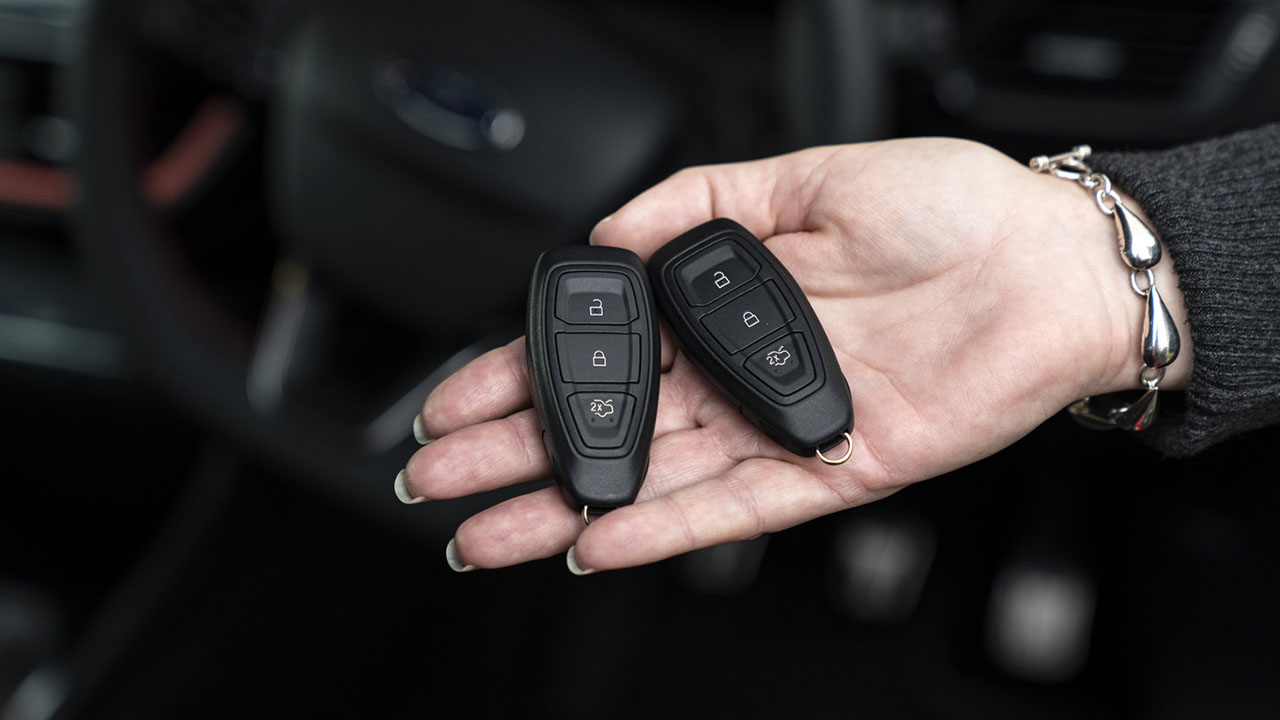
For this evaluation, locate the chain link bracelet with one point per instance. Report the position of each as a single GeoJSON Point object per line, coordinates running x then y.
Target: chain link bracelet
{"type": "Point", "coordinates": [1140, 250]}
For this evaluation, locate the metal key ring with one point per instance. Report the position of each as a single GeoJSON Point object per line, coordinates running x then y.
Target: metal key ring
{"type": "Point", "coordinates": [848, 453]}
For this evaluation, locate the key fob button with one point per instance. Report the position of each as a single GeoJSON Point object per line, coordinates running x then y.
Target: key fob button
{"type": "Point", "coordinates": [592, 298]}
{"type": "Point", "coordinates": [784, 364]}
{"type": "Point", "coordinates": [746, 319]}
{"type": "Point", "coordinates": [602, 418]}
{"type": "Point", "coordinates": [599, 357]}
{"type": "Point", "coordinates": [717, 271]}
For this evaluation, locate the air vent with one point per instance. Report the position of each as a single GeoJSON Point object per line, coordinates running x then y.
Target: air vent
{"type": "Point", "coordinates": [1133, 49]}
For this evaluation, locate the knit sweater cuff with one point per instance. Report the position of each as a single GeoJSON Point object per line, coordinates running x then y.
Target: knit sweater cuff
{"type": "Point", "coordinates": [1216, 205]}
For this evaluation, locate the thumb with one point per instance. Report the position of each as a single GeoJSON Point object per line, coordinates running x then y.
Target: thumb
{"type": "Point", "coordinates": [768, 197]}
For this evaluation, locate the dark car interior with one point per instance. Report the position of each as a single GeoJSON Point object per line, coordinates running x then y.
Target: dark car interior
{"type": "Point", "coordinates": [241, 241]}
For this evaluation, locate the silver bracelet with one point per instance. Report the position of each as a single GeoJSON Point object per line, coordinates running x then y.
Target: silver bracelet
{"type": "Point", "coordinates": [1140, 250]}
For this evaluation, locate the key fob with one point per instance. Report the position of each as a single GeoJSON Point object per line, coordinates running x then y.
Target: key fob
{"type": "Point", "coordinates": [593, 353]}
{"type": "Point", "coordinates": [742, 320]}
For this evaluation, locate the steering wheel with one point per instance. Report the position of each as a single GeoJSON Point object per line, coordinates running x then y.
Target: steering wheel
{"type": "Point", "coordinates": [417, 158]}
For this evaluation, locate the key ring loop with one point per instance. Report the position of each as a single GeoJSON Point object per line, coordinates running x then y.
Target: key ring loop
{"type": "Point", "coordinates": [848, 453]}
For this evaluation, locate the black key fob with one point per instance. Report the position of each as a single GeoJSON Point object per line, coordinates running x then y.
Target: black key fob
{"type": "Point", "coordinates": [743, 321]}
{"type": "Point", "coordinates": [592, 345]}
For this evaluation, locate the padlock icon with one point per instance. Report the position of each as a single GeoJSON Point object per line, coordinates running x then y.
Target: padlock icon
{"type": "Point", "coordinates": [597, 308]}
{"type": "Point", "coordinates": [721, 279]}
{"type": "Point", "coordinates": [749, 319]}
{"type": "Point", "coordinates": [598, 359]}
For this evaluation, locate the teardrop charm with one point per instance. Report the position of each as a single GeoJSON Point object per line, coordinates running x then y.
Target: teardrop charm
{"type": "Point", "coordinates": [1160, 341]}
{"type": "Point", "coordinates": [1138, 243]}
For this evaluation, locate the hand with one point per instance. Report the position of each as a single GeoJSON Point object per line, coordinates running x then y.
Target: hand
{"type": "Point", "coordinates": [967, 298]}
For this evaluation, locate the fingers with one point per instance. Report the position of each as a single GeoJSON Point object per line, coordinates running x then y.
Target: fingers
{"type": "Point", "coordinates": [756, 496]}
{"type": "Point", "coordinates": [768, 197]}
{"type": "Point", "coordinates": [527, 527]}
{"type": "Point", "coordinates": [481, 457]}
{"type": "Point", "coordinates": [492, 386]}
{"type": "Point", "coordinates": [540, 523]}
{"type": "Point", "coordinates": [509, 451]}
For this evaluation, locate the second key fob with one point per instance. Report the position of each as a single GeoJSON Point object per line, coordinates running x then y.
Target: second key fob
{"type": "Point", "coordinates": [593, 353]}
{"type": "Point", "coordinates": [743, 321]}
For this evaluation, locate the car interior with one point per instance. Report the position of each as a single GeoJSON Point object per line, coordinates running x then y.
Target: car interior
{"type": "Point", "coordinates": [242, 240]}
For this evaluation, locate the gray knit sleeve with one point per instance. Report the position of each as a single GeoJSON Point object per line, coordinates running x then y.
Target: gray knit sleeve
{"type": "Point", "coordinates": [1216, 204]}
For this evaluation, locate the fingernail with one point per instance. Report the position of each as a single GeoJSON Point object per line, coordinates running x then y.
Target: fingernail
{"type": "Point", "coordinates": [420, 431]}
{"type": "Point", "coordinates": [451, 557]}
{"type": "Point", "coordinates": [402, 492]}
{"type": "Point", "coordinates": [571, 559]}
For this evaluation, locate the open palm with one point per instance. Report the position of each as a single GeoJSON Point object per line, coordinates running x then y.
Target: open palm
{"type": "Point", "coordinates": [967, 300]}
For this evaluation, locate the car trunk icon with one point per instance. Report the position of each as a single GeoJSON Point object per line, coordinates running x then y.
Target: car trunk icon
{"type": "Point", "coordinates": [779, 357]}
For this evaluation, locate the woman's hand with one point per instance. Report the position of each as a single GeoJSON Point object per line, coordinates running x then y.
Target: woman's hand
{"type": "Point", "coordinates": [967, 299]}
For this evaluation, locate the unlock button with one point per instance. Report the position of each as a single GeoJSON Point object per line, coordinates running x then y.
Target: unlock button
{"type": "Point", "coordinates": [715, 272]}
{"type": "Point", "coordinates": [594, 298]}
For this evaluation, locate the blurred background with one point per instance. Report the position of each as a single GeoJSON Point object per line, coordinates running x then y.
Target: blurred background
{"type": "Point", "coordinates": [241, 240]}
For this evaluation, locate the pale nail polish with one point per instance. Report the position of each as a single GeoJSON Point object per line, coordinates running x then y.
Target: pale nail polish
{"type": "Point", "coordinates": [420, 431]}
{"type": "Point", "coordinates": [402, 492]}
{"type": "Point", "coordinates": [451, 557]}
{"type": "Point", "coordinates": [571, 559]}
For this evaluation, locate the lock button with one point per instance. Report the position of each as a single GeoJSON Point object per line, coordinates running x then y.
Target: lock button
{"type": "Point", "coordinates": [748, 318]}
{"type": "Point", "coordinates": [715, 272]}
{"type": "Point", "coordinates": [595, 298]}
{"type": "Point", "coordinates": [599, 357]}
